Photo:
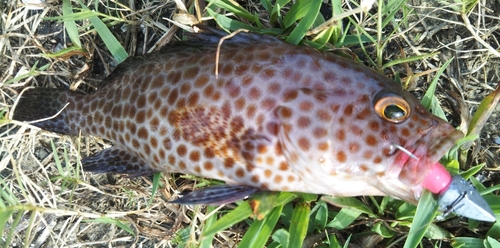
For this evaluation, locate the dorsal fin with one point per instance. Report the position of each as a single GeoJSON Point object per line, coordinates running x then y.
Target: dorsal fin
{"type": "Point", "coordinates": [208, 34]}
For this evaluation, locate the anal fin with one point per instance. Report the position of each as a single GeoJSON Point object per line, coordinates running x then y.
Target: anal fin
{"type": "Point", "coordinates": [216, 195]}
{"type": "Point", "coordinates": [116, 160]}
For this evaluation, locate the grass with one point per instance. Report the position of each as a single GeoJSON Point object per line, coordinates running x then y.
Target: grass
{"type": "Point", "coordinates": [43, 201]}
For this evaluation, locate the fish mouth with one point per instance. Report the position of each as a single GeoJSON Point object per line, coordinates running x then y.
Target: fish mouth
{"type": "Point", "coordinates": [423, 153]}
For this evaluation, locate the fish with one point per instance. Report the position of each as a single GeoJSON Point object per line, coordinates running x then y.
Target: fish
{"type": "Point", "coordinates": [261, 115]}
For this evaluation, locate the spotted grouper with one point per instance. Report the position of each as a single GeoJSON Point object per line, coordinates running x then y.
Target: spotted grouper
{"type": "Point", "coordinates": [260, 114]}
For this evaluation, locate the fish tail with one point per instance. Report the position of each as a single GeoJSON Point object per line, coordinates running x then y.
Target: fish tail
{"type": "Point", "coordinates": [44, 108]}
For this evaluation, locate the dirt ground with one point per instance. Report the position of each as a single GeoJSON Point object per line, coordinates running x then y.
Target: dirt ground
{"type": "Point", "coordinates": [26, 154]}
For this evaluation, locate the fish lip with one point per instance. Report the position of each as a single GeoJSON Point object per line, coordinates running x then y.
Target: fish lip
{"type": "Point", "coordinates": [441, 146]}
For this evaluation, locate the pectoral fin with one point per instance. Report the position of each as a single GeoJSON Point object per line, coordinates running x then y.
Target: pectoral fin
{"type": "Point", "coordinates": [216, 195]}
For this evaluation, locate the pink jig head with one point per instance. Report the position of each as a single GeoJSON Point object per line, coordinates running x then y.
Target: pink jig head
{"type": "Point", "coordinates": [457, 195]}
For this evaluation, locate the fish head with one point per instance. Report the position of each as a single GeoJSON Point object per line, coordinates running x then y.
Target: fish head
{"type": "Point", "coordinates": [416, 141]}
{"type": "Point", "coordinates": [374, 139]}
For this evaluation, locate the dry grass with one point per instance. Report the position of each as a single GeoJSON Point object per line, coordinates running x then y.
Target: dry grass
{"type": "Point", "coordinates": [64, 203]}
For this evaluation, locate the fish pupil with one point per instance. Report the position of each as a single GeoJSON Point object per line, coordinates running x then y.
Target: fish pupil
{"type": "Point", "coordinates": [394, 112]}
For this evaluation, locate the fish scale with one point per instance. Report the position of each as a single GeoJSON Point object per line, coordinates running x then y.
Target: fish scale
{"type": "Point", "coordinates": [274, 117]}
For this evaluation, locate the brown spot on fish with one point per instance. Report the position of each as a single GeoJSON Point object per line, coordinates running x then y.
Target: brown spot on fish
{"type": "Point", "coordinates": [374, 126]}
{"type": "Point", "coordinates": [268, 173]}
{"type": "Point", "coordinates": [174, 77]}
{"type": "Point", "coordinates": [208, 166]}
{"type": "Point", "coordinates": [181, 150]}
{"type": "Point", "coordinates": [323, 115]}
{"type": "Point", "coordinates": [341, 157]}
{"type": "Point", "coordinates": [154, 122]}
{"type": "Point", "coordinates": [251, 109]}
{"type": "Point", "coordinates": [171, 159]}
{"type": "Point", "coordinates": [320, 132]}
{"type": "Point", "coordinates": [278, 179]}
{"type": "Point", "coordinates": [172, 97]}
{"type": "Point", "coordinates": [247, 80]}
{"type": "Point", "coordinates": [241, 69]}
{"type": "Point", "coordinates": [368, 154]}
{"type": "Point", "coordinates": [229, 163]}
{"type": "Point", "coordinates": [255, 179]}
{"type": "Point", "coordinates": [190, 73]}
{"type": "Point", "coordinates": [340, 135]}
{"type": "Point", "coordinates": [239, 104]}
{"type": "Point", "coordinates": [240, 173]}
{"type": "Point", "coordinates": [304, 144]}
{"type": "Point", "coordinates": [140, 116]}
{"type": "Point", "coordinates": [323, 146]}
{"type": "Point", "coordinates": [194, 156]}
{"type": "Point", "coordinates": [193, 99]}
{"type": "Point", "coordinates": [216, 96]}
{"type": "Point", "coordinates": [146, 149]}
{"type": "Point", "coordinates": [306, 106]}
{"type": "Point", "coordinates": [371, 140]}
{"type": "Point", "coordinates": [287, 73]}
{"type": "Point", "coordinates": [348, 110]}
{"type": "Point", "coordinates": [283, 166]}
{"type": "Point", "coordinates": [208, 153]}
{"type": "Point", "coordinates": [405, 132]}
{"type": "Point", "coordinates": [269, 160]}
{"type": "Point", "coordinates": [354, 147]}
{"type": "Point", "coordinates": [143, 133]}
{"type": "Point", "coordinates": [152, 97]}
{"type": "Point", "coordinates": [208, 91]}
{"type": "Point", "coordinates": [154, 142]}
{"type": "Point", "coordinates": [136, 144]}
{"type": "Point", "coordinates": [274, 88]}
{"type": "Point", "coordinates": [182, 165]}
{"type": "Point", "coordinates": [365, 113]}
{"type": "Point", "coordinates": [303, 122]}
{"type": "Point", "coordinates": [256, 68]}
{"type": "Point", "coordinates": [268, 103]}
{"type": "Point", "coordinates": [167, 143]}
{"type": "Point", "coordinates": [291, 179]}
{"type": "Point", "coordinates": [201, 81]}
{"type": "Point", "coordinates": [254, 93]}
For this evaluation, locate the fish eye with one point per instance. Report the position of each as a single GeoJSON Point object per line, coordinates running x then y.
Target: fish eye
{"type": "Point", "coordinates": [392, 107]}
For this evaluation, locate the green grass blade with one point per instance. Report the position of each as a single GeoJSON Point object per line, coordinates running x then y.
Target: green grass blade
{"type": "Point", "coordinates": [466, 242]}
{"type": "Point", "coordinates": [229, 24]}
{"type": "Point", "coordinates": [71, 25]}
{"type": "Point", "coordinates": [299, 224]}
{"type": "Point", "coordinates": [426, 210]}
{"type": "Point", "coordinates": [233, 7]}
{"type": "Point", "coordinates": [114, 47]}
{"type": "Point", "coordinates": [321, 217]}
{"type": "Point", "coordinates": [116, 222]}
{"type": "Point", "coordinates": [238, 214]}
{"type": "Point", "coordinates": [206, 241]}
{"type": "Point", "coordinates": [16, 221]}
{"type": "Point", "coordinates": [282, 237]}
{"type": "Point", "coordinates": [408, 59]}
{"type": "Point", "coordinates": [312, 11]}
{"type": "Point", "coordinates": [156, 183]}
{"type": "Point", "coordinates": [348, 202]}
{"type": "Point", "coordinates": [429, 100]}
{"type": "Point", "coordinates": [4, 217]}
{"type": "Point", "coordinates": [260, 230]}
{"type": "Point", "coordinates": [483, 113]}
{"type": "Point", "coordinates": [344, 218]}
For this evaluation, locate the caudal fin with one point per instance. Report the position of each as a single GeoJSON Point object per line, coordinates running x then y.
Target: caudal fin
{"type": "Point", "coordinates": [44, 103]}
